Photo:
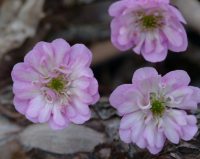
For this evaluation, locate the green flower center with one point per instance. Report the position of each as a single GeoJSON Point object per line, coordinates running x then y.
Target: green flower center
{"type": "Point", "coordinates": [57, 84]}
{"type": "Point", "coordinates": [149, 21]}
{"type": "Point", "coordinates": [157, 108]}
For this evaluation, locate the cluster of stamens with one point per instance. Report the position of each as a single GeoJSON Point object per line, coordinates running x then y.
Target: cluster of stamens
{"type": "Point", "coordinates": [150, 21]}
{"type": "Point", "coordinates": [56, 89]}
{"type": "Point", "coordinates": [157, 105]}
{"type": "Point", "coordinates": [57, 84]}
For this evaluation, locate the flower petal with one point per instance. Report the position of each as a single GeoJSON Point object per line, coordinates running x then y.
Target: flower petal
{"type": "Point", "coordinates": [177, 14]}
{"type": "Point", "coordinates": [61, 50]}
{"type": "Point", "coordinates": [24, 73]}
{"type": "Point", "coordinates": [117, 8]}
{"type": "Point", "coordinates": [35, 106]}
{"type": "Point", "coordinates": [150, 134]}
{"type": "Point", "coordinates": [137, 132]}
{"type": "Point", "coordinates": [80, 56]}
{"type": "Point", "coordinates": [116, 25]}
{"type": "Point", "coordinates": [58, 117]}
{"type": "Point", "coordinates": [126, 108]}
{"type": "Point", "coordinates": [158, 51]}
{"type": "Point", "coordinates": [160, 140]}
{"type": "Point", "coordinates": [144, 73]}
{"type": "Point", "coordinates": [81, 107]}
{"type": "Point", "coordinates": [82, 82]}
{"type": "Point", "coordinates": [129, 120]}
{"type": "Point", "coordinates": [154, 150]}
{"type": "Point", "coordinates": [55, 126]}
{"type": "Point", "coordinates": [176, 79]}
{"type": "Point", "coordinates": [189, 132]}
{"type": "Point", "coordinates": [82, 95]}
{"type": "Point", "coordinates": [71, 112]}
{"type": "Point", "coordinates": [125, 135]}
{"type": "Point", "coordinates": [80, 119]}
{"type": "Point", "coordinates": [179, 116]}
{"type": "Point", "coordinates": [45, 113]}
{"type": "Point", "coordinates": [191, 120]}
{"type": "Point", "coordinates": [21, 105]}
{"type": "Point", "coordinates": [25, 90]}
{"type": "Point", "coordinates": [170, 131]}
{"type": "Point", "coordinates": [117, 97]}
{"type": "Point", "coordinates": [177, 39]}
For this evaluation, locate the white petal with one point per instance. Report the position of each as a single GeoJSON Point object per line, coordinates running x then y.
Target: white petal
{"type": "Point", "coordinates": [189, 132]}
{"type": "Point", "coordinates": [131, 119]}
{"type": "Point", "coordinates": [82, 95]}
{"type": "Point", "coordinates": [149, 134]}
{"type": "Point", "coordinates": [58, 117]}
{"type": "Point", "coordinates": [179, 116]}
{"type": "Point", "coordinates": [170, 131]}
{"type": "Point", "coordinates": [125, 135]}
{"type": "Point", "coordinates": [173, 36]}
{"type": "Point", "coordinates": [45, 113]}
{"type": "Point", "coordinates": [127, 108]}
{"type": "Point", "coordinates": [137, 131]}
{"type": "Point", "coordinates": [81, 107]}
{"type": "Point", "coordinates": [35, 106]}
{"type": "Point", "coordinates": [160, 140]}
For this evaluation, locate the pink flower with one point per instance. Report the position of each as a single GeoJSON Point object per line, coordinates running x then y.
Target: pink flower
{"type": "Point", "coordinates": [150, 27]}
{"type": "Point", "coordinates": [153, 108]}
{"type": "Point", "coordinates": [54, 84]}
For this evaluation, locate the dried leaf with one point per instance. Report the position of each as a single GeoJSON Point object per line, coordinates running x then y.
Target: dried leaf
{"type": "Point", "coordinates": [73, 139]}
{"type": "Point", "coordinates": [7, 130]}
{"type": "Point", "coordinates": [18, 21]}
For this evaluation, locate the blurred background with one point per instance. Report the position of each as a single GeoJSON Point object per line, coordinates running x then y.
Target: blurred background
{"type": "Point", "coordinates": [23, 23]}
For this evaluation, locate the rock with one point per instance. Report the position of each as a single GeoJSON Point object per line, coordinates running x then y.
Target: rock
{"type": "Point", "coordinates": [75, 138]}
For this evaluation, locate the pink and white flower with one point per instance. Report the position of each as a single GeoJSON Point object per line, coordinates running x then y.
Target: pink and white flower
{"type": "Point", "coordinates": [153, 108]}
{"type": "Point", "coordinates": [150, 27]}
{"type": "Point", "coordinates": [55, 85]}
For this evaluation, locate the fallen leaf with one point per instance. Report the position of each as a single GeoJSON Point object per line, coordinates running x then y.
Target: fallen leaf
{"type": "Point", "coordinates": [18, 21]}
{"type": "Point", "coordinates": [7, 130]}
{"type": "Point", "coordinates": [75, 138]}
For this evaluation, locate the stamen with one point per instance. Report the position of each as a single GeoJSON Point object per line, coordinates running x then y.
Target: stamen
{"type": "Point", "coordinates": [151, 21]}
{"type": "Point", "coordinates": [158, 107]}
{"type": "Point", "coordinates": [57, 84]}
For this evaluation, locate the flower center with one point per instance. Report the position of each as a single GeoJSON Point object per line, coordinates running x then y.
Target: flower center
{"type": "Point", "coordinates": [158, 107]}
{"type": "Point", "coordinates": [151, 21]}
{"type": "Point", "coordinates": [57, 84]}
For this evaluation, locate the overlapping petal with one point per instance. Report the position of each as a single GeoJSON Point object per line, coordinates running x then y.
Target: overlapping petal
{"type": "Point", "coordinates": [153, 39]}
{"type": "Point", "coordinates": [55, 84]}
{"type": "Point", "coordinates": [153, 108]}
